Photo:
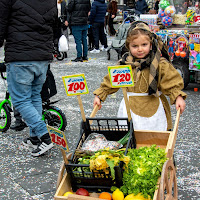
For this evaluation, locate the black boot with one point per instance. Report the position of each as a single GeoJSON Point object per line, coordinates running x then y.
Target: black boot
{"type": "Point", "coordinates": [18, 125]}
{"type": "Point", "coordinates": [78, 59]}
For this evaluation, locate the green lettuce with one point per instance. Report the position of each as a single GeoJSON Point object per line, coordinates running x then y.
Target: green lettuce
{"type": "Point", "coordinates": [143, 171]}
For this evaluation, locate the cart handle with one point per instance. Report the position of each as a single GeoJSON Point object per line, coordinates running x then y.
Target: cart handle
{"type": "Point", "coordinates": [94, 112]}
{"type": "Point", "coordinates": [173, 135]}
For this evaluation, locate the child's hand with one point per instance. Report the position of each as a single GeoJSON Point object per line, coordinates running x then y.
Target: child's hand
{"type": "Point", "coordinates": [97, 101]}
{"type": "Point", "coordinates": [180, 103]}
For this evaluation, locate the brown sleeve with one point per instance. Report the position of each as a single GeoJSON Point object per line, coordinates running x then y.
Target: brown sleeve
{"type": "Point", "coordinates": [170, 82]}
{"type": "Point", "coordinates": [105, 89]}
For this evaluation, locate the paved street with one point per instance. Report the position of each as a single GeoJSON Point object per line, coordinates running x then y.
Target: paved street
{"type": "Point", "coordinates": [25, 177]}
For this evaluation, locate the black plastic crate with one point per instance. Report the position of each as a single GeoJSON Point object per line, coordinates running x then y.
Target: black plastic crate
{"type": "Point", "coordinates": [112, 129]}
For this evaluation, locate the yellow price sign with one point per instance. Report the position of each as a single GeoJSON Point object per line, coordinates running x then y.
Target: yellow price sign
{"type": "Point", "coordinates": [75, 84]}
{"type": "Point", "coordinates": [121, 76]}
{"type": "Point", "coordinates": [58, 138]}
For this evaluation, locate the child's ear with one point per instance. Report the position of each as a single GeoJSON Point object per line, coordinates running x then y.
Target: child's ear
{"type": "Point", "coordinates": [151, 47]}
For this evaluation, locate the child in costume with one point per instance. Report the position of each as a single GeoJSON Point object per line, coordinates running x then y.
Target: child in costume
{"type": "Point", "coordinates": [154, 77]}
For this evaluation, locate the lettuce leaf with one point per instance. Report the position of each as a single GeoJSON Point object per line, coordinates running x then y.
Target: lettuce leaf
{"type": "Point", "coordinates": [143, 172]}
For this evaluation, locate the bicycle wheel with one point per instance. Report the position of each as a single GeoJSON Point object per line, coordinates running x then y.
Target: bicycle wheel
{"type": "Point", "coordinates": [55, 117]}
{"type": "Point", "coordinates": [5, 118]}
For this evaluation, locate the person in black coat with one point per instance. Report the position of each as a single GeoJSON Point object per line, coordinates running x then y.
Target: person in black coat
{"type": "Point", "coordinates": [27, 27]}
{"type": "Point", "coordinates": [78, 11]}
{"type": "Point", "coordinates": [96, 19]}
{"type": "Point", "coordinates": [141, 6]}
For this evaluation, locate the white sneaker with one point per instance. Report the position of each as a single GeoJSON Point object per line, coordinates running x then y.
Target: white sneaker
{"type": "Point", "coordinates": [95, 51]}
{"type": "Point", "coordinates": [104, 49]}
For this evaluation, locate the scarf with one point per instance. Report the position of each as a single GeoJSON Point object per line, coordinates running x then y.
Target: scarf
{"type": "Point", "coordinates": [152, 60]}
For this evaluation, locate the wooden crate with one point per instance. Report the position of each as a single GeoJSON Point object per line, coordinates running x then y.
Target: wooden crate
{"type": "Point", "coordinates": [164, 139]}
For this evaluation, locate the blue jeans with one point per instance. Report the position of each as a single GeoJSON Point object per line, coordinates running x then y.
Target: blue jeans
{"type": "Point", "coordinates": [80, 36]}
{"type": "Point", "coordinates": [25, 80]}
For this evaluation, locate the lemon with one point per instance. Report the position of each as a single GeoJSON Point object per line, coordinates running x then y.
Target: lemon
{"type": "Point", "coordinates": [118, 195]}
{"type": "Point", "coordinates": [135, 197]}
{"type": "Point", "coordinates": [67, 193]}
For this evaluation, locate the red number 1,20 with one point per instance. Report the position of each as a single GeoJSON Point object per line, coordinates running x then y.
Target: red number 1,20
{"type": "Point", "coordinates": [121, 77]}
{"type": "Point", "coordinates": [76, 86]}
{"type": "Point", "coordinates": [58, 140]}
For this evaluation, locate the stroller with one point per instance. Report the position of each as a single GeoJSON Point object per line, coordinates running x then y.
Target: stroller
{"type": "Point", "coordinates": [118, 43]}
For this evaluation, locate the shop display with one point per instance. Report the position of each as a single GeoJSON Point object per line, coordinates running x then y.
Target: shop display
{"type": "Point", "coordinates": [170, 11]}
{"type": "Point", "coordinates": [194, 46]}
{"type": "Point", "coordinates": [167, 21]}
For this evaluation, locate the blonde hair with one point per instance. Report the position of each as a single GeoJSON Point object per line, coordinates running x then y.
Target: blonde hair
{"type": "Point", "coordinates": [135, 33]}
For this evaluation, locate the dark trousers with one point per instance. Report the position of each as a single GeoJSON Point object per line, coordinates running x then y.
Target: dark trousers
{"type": "Point", "coordinates": [110, 25]}
{"type": "Point", "coordinates": [99, 35]}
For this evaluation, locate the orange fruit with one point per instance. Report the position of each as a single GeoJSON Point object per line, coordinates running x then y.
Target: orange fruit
{"type": "Point", "coordinates": [105, 195]}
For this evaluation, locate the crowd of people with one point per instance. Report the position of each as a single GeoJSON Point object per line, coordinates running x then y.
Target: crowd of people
{"type": "Point", "coordinates": [28, 32]}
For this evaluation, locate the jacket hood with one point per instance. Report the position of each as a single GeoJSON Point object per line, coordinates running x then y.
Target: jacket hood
{"type": "Point", "coordinates": [101, 1]}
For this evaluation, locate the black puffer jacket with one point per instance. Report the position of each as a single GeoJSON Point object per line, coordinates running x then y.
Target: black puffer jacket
{"type": "Point", "coordinates": [78, 12]}
{"type": "Point", "coordinates": [27, 27]}
{"type": "Point", "coordinates": [98, 11]}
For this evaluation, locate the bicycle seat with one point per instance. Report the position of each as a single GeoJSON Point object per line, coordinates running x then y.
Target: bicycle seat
{"type": "Point", "coordinates": [2, 67]}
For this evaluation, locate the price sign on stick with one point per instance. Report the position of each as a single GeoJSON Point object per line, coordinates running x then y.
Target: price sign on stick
{"type": "Point", "coordinates": [121, 76]}
{"type": "Point", "coordinates": [75, 84]}
{"type": "Point", "coordinates": [58, 138]}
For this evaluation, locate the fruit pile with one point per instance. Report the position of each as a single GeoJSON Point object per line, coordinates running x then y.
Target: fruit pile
{"type": "Point", "coordinates": [116, 195]}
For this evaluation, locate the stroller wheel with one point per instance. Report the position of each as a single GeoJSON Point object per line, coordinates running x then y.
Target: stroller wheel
{"type": "Point", "coordinates": [108, 54]}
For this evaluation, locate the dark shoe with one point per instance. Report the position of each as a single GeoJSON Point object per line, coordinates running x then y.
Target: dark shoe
{"type": "Point", "coordinates": [18, 126]}
{"type": "Point", "coordinates": [78, 59]}
{"type": "Point", "coordinates": [32, 142]}
{"type": "Point", "coordinates": [85, 58]}
{"type": "Point", "coordinates": [44, 146]}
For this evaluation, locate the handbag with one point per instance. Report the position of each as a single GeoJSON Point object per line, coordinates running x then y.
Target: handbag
{"type": "Point", "coordinates": [63, 45]}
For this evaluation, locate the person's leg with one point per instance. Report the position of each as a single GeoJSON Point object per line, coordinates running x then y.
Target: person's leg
{"type": "Point", "coordinates": [25, 81]}
{"type": "Point", "coordinates": [76, 31]}
{"type": "Point", "coordinates": [84, 40]}
{"type": "Point", "coordinates": [102, 34]}
{"type": "Point", "coordinates": [20, 77]}
{"type": "Point", "coordinates": [95, 31]}
{"type": "Point", "coordinates": [112, 30]}
{"type": "Point", "coordinates": [18, 125]}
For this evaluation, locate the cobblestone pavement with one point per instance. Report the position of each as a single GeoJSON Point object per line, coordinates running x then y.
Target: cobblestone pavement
{"type": "Point", "coordinates": [25, 177]}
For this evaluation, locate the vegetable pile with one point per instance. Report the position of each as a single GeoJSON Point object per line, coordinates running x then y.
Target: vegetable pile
{"type": "Point", "coordinates": [143, 171]}
{"type": "Point", "coordinates": [105, 159]}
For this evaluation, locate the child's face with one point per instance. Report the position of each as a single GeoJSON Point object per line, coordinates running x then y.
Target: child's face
{"type": "Point", "coordinates": [140, 47]}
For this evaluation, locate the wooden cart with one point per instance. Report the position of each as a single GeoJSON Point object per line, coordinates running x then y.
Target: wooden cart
{"type": "Point", "coordinates": [167, 189]}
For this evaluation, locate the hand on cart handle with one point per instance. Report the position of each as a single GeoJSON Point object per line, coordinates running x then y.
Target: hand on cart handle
{"type": "Point", "coordinates": [97, 101]}
{"type": "Point", "coordinates": [180, 103]}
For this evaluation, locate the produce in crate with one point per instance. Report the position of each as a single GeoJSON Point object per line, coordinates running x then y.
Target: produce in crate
{"type": "Point", "coordinates": [105, 195]}
{"type": "Point", "coordinates": [96, 141]}
{"type": "Point", "coordinates": [143, 171]}
{"type": "Point", "coordinates": [82, 191]}
{"type": "Point", "coordinates": [118, 195]}
{"type": "Point", "coordinates": [105, 159]}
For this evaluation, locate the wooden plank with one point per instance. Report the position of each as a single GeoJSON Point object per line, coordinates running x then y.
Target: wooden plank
{"type": "Point", "coordinates": [148, 138]}
{"type": "Point", "coordinates": [80, 197]}
{"type": "Point", "coordinates": [64, 186]}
